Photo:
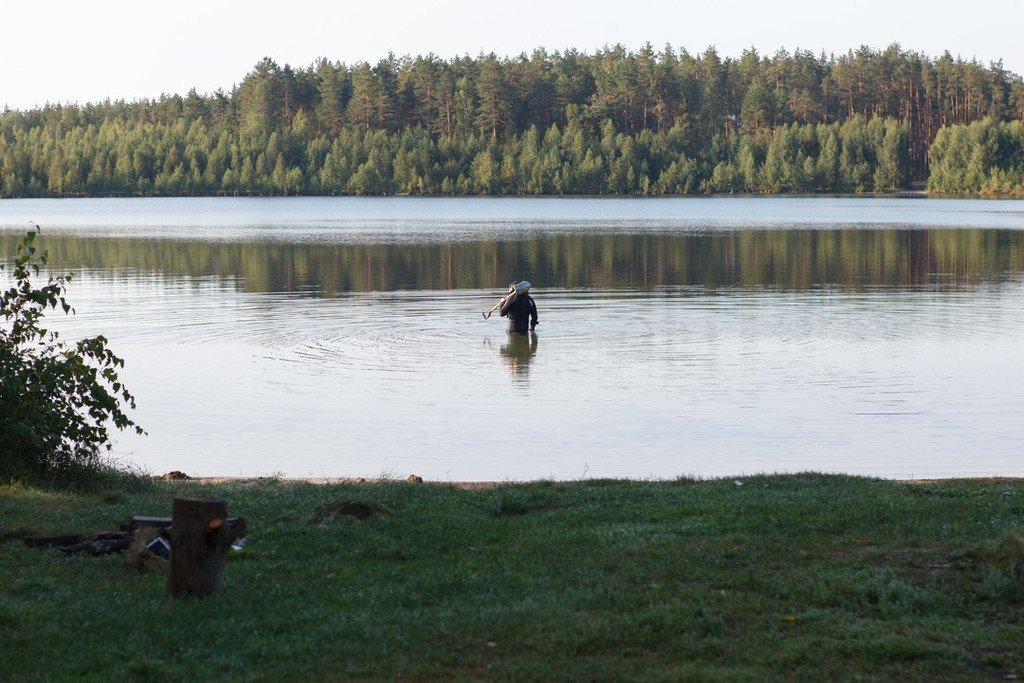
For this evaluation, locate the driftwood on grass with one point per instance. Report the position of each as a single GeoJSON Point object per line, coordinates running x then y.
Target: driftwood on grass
{"type": "Point", "coordinates": [200, 538]}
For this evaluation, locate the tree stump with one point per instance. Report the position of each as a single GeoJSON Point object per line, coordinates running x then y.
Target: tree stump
{"type": "Point", "coordinates": [200, 538]}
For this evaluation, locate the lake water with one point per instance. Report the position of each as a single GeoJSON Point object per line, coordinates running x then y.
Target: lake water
{"type": "Point", "coordinates": [723, 336]}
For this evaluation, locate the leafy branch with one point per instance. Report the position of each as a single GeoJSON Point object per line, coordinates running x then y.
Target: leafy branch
{"type": "Point", "coordinates": [57, 398]}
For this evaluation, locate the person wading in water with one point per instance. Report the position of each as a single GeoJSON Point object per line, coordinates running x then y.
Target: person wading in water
{"type": "Point", "coordinates": [519, 308]}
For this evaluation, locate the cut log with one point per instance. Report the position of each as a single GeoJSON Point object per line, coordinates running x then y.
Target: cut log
{"type": "Point", "coordinates": [99, 546]}
{"type": "Point", "coordinates": [199, 546]}
{"type": "Point", "coordinates": [139, 522]}
{"type": "Point", "coordinates": [52, 540]}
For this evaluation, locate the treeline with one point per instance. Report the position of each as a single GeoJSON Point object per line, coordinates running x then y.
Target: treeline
{"type": "Point", "coordinates": [985, 157]}
{"type": "Point", "coordinates": [180, 159]}
{"type": "Point", "coordinates": [611, 122]}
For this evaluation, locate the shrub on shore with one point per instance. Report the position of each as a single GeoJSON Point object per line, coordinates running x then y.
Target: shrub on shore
{"type": "Point", "coordinates": [57, 400]}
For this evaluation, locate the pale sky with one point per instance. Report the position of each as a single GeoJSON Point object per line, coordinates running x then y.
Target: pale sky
{"type": "Point", "coordinates": [86, 52]}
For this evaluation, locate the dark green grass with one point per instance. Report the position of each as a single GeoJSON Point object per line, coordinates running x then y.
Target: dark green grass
{"type": "Point", "coordinates": [805, 576]}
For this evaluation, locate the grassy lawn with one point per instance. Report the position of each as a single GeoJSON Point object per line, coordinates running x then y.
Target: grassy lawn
{"type": "Point", "coordinates": [802, 576]}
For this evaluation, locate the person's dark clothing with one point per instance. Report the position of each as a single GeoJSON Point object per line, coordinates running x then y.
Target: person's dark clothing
{"type": "Point", "coordinates": [521, 313]}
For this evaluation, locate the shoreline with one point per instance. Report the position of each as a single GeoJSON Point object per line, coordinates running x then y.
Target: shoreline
{"type": "Point", "coordinates": [907, 193]}
{"type": "Point", "coordinates": [334, 481]}
{"type": "Point", "coordinates": [485, 485]}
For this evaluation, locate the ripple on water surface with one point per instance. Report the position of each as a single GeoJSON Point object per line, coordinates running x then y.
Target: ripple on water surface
{"type": "Point", "coordinates": [678, 336]}
{"type": "Point", "coordinates": [615, 382]}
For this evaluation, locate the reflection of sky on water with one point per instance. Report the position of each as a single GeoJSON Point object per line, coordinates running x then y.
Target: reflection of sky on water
{"type": "Point", "coordinates": [628, 384]}
{"type": "Point", "coordinates": [364, 220]}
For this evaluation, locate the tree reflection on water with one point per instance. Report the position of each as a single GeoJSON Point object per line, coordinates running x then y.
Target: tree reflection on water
{"type": "Point", "coordinates": [856, 259]}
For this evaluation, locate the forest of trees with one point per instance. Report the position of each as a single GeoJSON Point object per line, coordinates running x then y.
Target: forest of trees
{"type": "Point", "coordinates": [612, 122]}
{"type": "Point", "coordinates": [985, 157]}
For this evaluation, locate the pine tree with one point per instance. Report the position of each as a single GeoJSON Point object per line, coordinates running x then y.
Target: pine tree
{"type": "Point", "coordinates": [492, 93]}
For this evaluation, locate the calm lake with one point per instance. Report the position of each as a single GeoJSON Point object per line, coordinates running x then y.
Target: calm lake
{"type": "Point", "coordinates": [686, 336]}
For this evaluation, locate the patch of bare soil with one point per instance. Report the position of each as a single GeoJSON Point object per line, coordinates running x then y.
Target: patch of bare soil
{"type": "Point", "coordinates": [352, 509]}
